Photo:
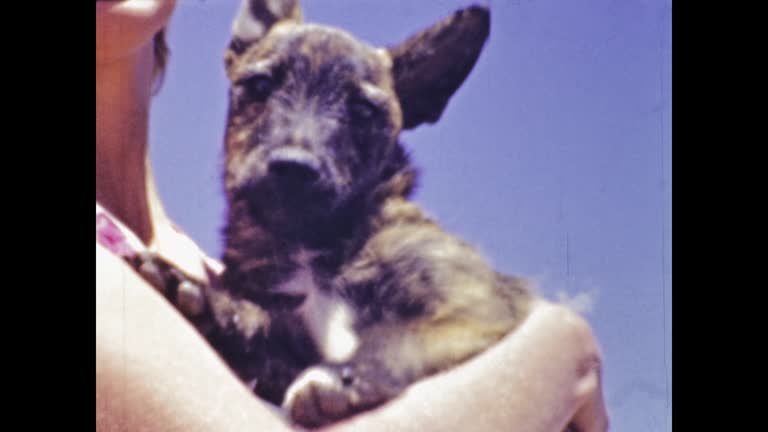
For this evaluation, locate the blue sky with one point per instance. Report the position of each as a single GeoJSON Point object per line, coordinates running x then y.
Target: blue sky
{"type": "Point", "coordinates": [554, 158]}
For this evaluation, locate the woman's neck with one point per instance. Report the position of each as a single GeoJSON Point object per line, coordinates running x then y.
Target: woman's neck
{"type": "Point", "coordinates": [123, 176]}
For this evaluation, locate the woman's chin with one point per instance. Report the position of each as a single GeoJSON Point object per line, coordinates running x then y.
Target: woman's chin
{"type": "Point", "coordinates": [123, 26]}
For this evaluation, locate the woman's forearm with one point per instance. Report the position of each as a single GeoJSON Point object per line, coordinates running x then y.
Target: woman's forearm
{"type": "Point", "coordinates": [535, 380]}
{"type": "Point", "coordinates": [154, 372]}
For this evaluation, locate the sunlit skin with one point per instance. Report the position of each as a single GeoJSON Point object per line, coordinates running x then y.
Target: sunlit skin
{"type": "Point", "coordinates": [153, 371]}
{"type": "Point", "coordinates": [122, 27]}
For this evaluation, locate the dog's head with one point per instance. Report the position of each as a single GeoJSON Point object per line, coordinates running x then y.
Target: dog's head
{"type": "Point", "coordinates": [315, 114]}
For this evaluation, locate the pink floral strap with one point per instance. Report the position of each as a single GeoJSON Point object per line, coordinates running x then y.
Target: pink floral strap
{"type": "Point", "coordinates": [114, 236]}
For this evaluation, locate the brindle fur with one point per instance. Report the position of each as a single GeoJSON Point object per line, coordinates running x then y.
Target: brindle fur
{"type": "Point", "coordinates": [421, 299]}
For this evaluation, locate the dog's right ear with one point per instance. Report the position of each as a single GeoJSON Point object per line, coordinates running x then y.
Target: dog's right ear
{"type": "Point", "coordinates": [431, 65]}
{"type": "Point", "coordinates": [254, 20]}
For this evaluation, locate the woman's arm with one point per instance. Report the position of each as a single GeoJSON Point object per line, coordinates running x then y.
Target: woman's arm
{"type": "Point", "coordinates": [537, 379]}
{"type": "Point", "coordinates": [154, 372]}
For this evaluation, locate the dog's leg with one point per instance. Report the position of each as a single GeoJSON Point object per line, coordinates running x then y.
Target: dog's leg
{"type": "Point", "coordinates": [391, 358]}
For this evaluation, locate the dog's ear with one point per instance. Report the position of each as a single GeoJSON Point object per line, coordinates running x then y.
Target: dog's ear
{"type": "Point", "coordinates": [430, 66]}
{"type": "Point", "coordinates": [254, 20]}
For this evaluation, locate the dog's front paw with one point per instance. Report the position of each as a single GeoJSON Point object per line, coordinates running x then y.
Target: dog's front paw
{"type": "Point", "coordinates": [328, 393]}
{"type": "Point", "coordinates": [317, 397]}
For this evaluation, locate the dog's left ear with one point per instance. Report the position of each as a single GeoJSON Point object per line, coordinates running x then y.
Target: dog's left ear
{"type": "Point", "coordinates": [254, 20]}
{"type": "Point", "coordinates": [430, 66]}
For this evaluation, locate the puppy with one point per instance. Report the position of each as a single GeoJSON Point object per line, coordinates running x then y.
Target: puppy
{"type": "Point", "coordinates": [339, 292]}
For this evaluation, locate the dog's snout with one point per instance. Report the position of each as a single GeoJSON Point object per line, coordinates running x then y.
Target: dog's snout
{"type": "Point", "coordinates": [294, 166]}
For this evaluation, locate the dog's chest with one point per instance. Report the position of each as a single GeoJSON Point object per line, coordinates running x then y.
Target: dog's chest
{"type": "Point", "coordinates": [328, 318]}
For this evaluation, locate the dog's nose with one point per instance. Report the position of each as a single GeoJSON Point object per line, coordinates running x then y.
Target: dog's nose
{"type": "Point", "coordinates": [292, 166]}
{"type": "Point", "coordinates": [293, 171]}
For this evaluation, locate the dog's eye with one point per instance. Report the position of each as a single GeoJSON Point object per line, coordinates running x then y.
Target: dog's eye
{"type": "Point", "coordinates": [362, 109]}
{"type": "Point", "coordinates": [258, 86]}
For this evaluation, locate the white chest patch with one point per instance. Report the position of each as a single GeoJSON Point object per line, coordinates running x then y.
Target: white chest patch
{"type": "Point", "coordinates": [328, 318]}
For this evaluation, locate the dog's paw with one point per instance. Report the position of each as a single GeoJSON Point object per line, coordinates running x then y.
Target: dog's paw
{"type": "Point", "coordinates": [328, 393]}
{"type": "Point", "coordinates": [317, 397]}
